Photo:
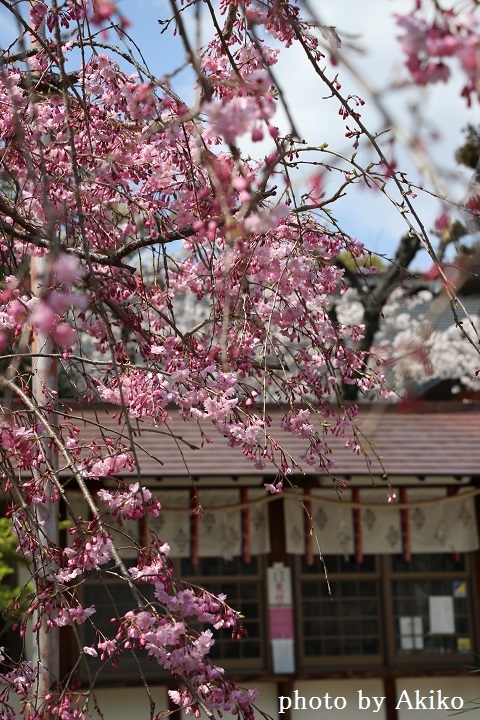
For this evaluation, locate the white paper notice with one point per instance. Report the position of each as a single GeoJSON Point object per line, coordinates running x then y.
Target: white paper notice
{"type": "Point", "coordinates": [411, 632]}
{"type": "Point", "coordinates": [279, 585]}
{"type": "Point", "coordinates": [282, 656]}
{"type": "Point", "coordinates": [442, 616]}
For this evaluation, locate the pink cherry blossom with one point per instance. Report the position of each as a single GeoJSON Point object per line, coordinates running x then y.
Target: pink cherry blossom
{"type": "Point", "coordinates": [167, 269]}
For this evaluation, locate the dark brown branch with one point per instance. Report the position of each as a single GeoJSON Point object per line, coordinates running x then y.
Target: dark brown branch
{"type": "Point", "coordinates": [374, 302]}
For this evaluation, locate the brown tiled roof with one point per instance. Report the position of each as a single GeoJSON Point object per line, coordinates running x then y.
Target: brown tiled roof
{"type": "Point", "coordinates": [429, 440]}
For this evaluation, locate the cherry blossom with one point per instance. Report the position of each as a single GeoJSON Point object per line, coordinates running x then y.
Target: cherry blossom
{"type": "Point", "coordinates": [130, 504]}
{"type": "Point", "coordinates": [158, 266]}
{"type": "Point", "coordinates": [452, 34]}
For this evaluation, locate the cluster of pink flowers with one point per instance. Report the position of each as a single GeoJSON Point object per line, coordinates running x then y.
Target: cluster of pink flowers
{"type": "Point", "coordinates": [146, 395]}
{"type": "Point", "coordinates": [43, 313]}
{"type": "Point", "coordinates": [428, 45]}
{"type": "Point", "coordinates": [221, 696]}
{"type": "Point", "coordinates": [18, 443]}
{"type": "Point", "coordinates": [17, 680]}
{"type": "Point", "coordinates": [108, 465]}
{"type": "Point", "coordinates": [296, 423]}
{"type": "Point", "coordinates": [167, 637]}
{"type": "Point", "coordinates": [91, 548]}
{"type": "Point", "coordinates": [130, 504]}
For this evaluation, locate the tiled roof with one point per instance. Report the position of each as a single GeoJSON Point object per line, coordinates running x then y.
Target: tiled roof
{"type": "Point", "coordinates": [426, 440]}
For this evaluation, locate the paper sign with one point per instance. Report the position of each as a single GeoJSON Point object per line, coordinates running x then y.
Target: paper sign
{"type": "Point", "coordinates": [411, 633]}
{"type": "Point", "coordinates": [459, 588]}
{"type": "Point", "coordinates": [442, 617]}
{"type": "Point", "coordinates": [279, 585]}
{"type": "Point", "coordinates": [282, 656]}
{"type": "Point", "coordinates": [281, 623]}
{"type": "Point", "coordinates": [464, 645]}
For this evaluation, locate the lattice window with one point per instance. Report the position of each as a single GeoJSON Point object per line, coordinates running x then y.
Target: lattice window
{"type": "Point", "coordinates": [385, 611]}
{"type": "Point", "coordinates": [431, 605]}
{"type": "Point", "coordinates": [347, 628]}
{"type": "Point", "coordinates": [243, 583]}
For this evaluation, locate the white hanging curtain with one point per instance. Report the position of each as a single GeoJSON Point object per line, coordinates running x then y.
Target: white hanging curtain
{"type": "Point", "coordinates": [332, 523]}
{"type": "Point", "coordinates": [221, 531]}
{"type": "Point", "coordinates": [259, 530]}
{"type": "Point", "coordinates": [433, 521]}
{"type": "Point", "coordinates": [173, 526]}
{"type": "Point", "coordinates": [447, 527]}
{"type": "Point", "coordinates": [380, 524]}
